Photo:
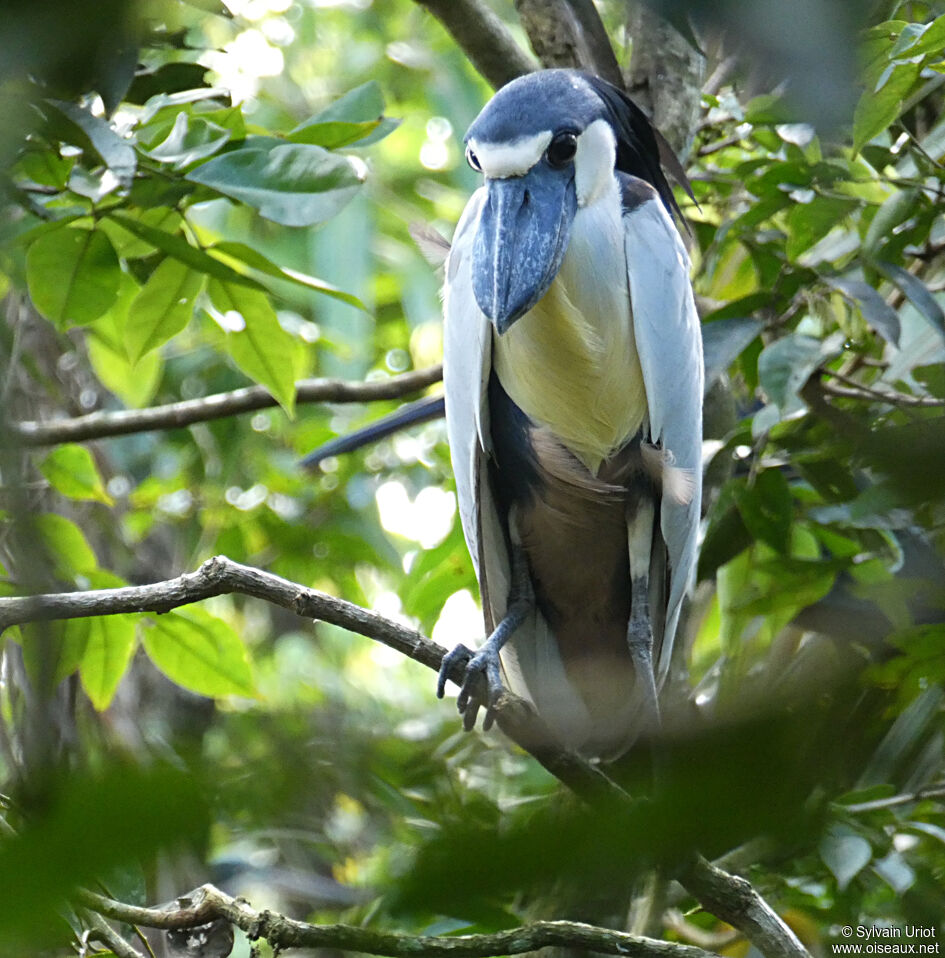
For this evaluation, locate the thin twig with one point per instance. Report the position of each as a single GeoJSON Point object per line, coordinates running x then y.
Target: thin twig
{"type": "Point", "coordinates": [855, 390]}
{"type": "Point", "coordinates": [208, 903]}
{"type": "Point", "coordinates": [101, 931]}
{"type": "Point", "coordinates": [103, 425]}
{"type": "Point", "coordinates": [933, 791]}
{"type": "Point", "coordinates": [483, 37]}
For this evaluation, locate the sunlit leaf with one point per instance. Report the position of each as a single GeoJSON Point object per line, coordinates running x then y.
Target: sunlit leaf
{"type": "Point", "coordinates": [109, 644]}
{"type": "Point", "coordinates": [877, 110]}
{"type": "Point", "coordinates": [192, 138]}
{"type": "Point", "coordinates": [294, 184]}
{"type": "Point", "coordinates": [134, 384]}
{"type": "Point", "coordinates": [66, 545]}
{"type": "Point", "coordinates": [181, 250]}
{"type": "Point", "coordinates": [199, 652]}
{"type": "Point", "coordinates": [73, 275]}
{"type": "Point", "coordinates": [77, 126]}
{"type": "Point", "coordinates": [256, 341]}
{"type": "Point", "coordinates": [71, 470]}
{"type": "Point", "coordinates": [162, 308]}
{"type": "Point", "coordinates": [256, 260]}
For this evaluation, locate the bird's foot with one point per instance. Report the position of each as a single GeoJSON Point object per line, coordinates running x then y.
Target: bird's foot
{"type": "Point", "coordinates": [481, 685]}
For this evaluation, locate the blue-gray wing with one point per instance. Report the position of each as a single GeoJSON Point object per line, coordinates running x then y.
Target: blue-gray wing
{"type": "Point", "coordinates": [467, 361]}
{"type": "Point", "coordinates": [666, 327]}
{"type": "Point", "coordinates": [531, 662]}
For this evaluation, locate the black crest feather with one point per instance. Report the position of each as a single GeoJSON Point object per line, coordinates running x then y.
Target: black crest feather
{"type": "Point", "coordinates": [642, 151]}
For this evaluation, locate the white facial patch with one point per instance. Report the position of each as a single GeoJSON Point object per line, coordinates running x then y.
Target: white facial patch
{"type": "Point", "coordinates": [594, 162]}
{"type": "Point", "coordinates": [499, 161]}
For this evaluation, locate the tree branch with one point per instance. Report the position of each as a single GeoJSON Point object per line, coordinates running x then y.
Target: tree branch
{"type": "Point", "coordinates": [103, 425]}
{"type": "Point", "coordinates": [665, 76]}
{"type": "Point", "coordinates": [569, 33]}
{"type": "Point", "coordinates": [483, 37]}
{"type": "Point", "coordinates": [735, 901]}
{"type": "Point", "coordinates": [208, 903]}
{"type": "Point", "coordinates": [731, 898]}
{"type": "Point", "coordinates": [222, 576]}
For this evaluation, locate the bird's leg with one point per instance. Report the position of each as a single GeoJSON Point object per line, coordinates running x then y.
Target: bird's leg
{"type": "Point", "coordinates": [639, 629]}
{"type": "Point", "coordinates": [482, 684]}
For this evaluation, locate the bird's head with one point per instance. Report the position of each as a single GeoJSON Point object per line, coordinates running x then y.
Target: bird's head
{"type": "Point", "coordinates": [548, 144]}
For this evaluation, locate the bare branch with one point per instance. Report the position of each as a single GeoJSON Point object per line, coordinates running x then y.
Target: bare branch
{"type": "Point", "coordinates": [221, 576]}
{"type": "Point", "coordinates": [735, 901]}
{"type": "Point", "coordinates": [731, 898]}
{"type": "Point", "coordinates": [208, 903]}
{"type": "Point", "coordinates": [855, 390]}
{"type": "Point", "coordinates": [483, 37]}
{"type": "Point", "coordinates": [103, 425]}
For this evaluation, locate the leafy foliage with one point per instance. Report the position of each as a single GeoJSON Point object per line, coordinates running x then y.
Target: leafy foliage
{"type": "Point", "coordinates": [234, 211]}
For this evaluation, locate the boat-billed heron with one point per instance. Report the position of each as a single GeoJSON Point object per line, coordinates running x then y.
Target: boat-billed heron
{"type": "Point", "coordinates": [573, 383]}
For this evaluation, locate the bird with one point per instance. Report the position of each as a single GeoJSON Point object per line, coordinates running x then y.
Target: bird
{"type": "Point", "coordinates": [573, 380]}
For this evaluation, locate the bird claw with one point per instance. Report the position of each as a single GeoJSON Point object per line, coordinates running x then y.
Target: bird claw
{"type": "Point", "coordinates": [481, 687]}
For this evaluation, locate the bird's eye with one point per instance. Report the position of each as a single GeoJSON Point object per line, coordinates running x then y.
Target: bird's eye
{"type": "Point", "coordinates": [473, 160]}
{"type": "Point", "coordinates": [561, 150]}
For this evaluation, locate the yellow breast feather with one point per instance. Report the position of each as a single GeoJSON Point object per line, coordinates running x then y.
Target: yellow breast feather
{"type": "Point", "coordinates": [575, 370]}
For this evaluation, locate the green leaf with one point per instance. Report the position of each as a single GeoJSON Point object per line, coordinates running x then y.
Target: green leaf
{"type": "Point", "coordinates": [109, 645]}
{"type": "Point", "coordinates": [135, 385]}
{"type": "Point", "coordinates": [127, 246]}
{"type": "Point", "coordinates": [199, 652]}
{"type": "Point", "coordinates": [877, 110]}
{"type": "Point", "coordinates": [723, 342]}
{"type": "Point", "coordinates": [355, 117]}
{"type": "Point", "coordinates": [930, 38]}
{"type": "Point", "coordinates": [74, 637]}
{"type": "Point", "coordinates": [46, 167]}
{"type": "Point", "coordinates": [293, 184]}
{"type": "Point", "coordinates": [73, 275]}
{"type": "Point", "coordinates": [810, 222]}
{"type": "Point", "coordinates": [256, 260]}
{"type": "Point", "coordinates": [256, 341]}
{"type": "Point", "coordinates": [86, 825]}
{"type": "Point", "coordinates": [332, 135]}
{"type": "Point", "coordinates": [916, 292]}
{"type": "Point", "coordinates": [845, 853]}
{"type": "Point", "coordinates": [768, 510]}
{"type": "Point", "coordinates": [66, 545]}
{"type": "Point", "coordinates": [80, 128]}
{"type": "Point", "coordinates": [162, 308]}
{"type": "Point", "coordinates": [876, 311]}
{"type": "Point", "coordinates": [181, 250]}
{"type": "Point", "coordinates": [191, 138]}
{"type": "Point", "coordinates": [71, 470]}
{"type": "Point", "coordinates": [896, 208]}
{"type": "Point", "coordinates": [785, 366]}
